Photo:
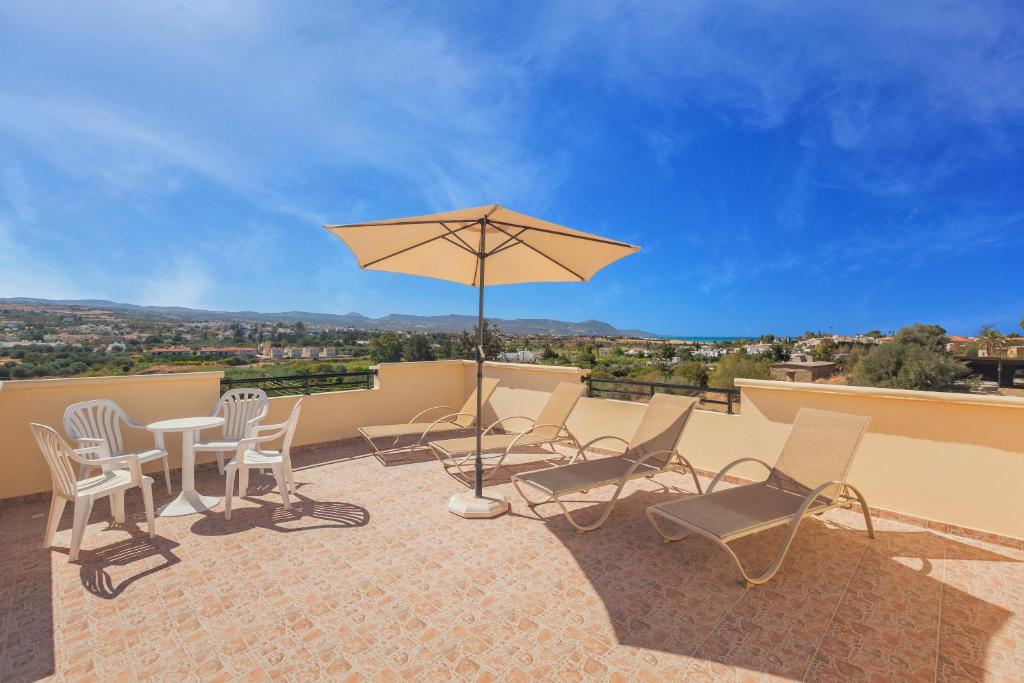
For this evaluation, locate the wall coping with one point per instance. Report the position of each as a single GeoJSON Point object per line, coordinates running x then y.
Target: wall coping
{"type": "Point", "coordinates": [905, 394]}
{"type": "Point", "coordinates": [56, 382]}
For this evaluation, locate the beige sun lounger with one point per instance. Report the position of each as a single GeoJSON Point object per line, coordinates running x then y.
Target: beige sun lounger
{"type": "Point", "coordinates": [808, 479]}
{"type": "Point", "coordinates": [450, 421]}
{"type": "Point", "coordinates": [547, 430]}
{"type": "Point", "coordinates": [652, 451]}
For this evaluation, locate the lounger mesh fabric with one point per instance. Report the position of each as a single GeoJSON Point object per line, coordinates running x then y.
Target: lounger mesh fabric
{"type": "Point", "coordinates": [739, 510]}
{"type": "Point", "coordinates": [556, 411]}
{"type": "Point", "coordinates": [819, 448]}
{"type": "Point", "coordinates": [659, 430]}
{"type": "Point", "coordinates": [663, 422]}
{"type": "Point", "coordinates": [490, 442]}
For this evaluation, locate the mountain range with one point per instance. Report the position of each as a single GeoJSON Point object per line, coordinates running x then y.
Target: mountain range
{"type": "Point", "coordinates": [398, 322]}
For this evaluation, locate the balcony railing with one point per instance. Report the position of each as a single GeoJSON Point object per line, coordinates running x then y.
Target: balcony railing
{"type": "Point", "coordinates": [290, 385]}
{"type": "Point", "coordinates": [633, 389]}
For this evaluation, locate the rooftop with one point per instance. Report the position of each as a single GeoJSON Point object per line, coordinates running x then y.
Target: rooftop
{"type": "Point", "coordinates": [369, 577]}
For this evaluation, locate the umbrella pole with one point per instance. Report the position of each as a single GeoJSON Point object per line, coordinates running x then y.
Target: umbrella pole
{"type": "Point", "coordinates": [479, 465]}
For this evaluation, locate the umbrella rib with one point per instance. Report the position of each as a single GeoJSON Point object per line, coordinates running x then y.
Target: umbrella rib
{"type": "Point", "coordinates": [458, 237]}
{"type": "Point", "coordinates": [589, 238]}
{"type": "Point", "coordinates": [538, 251]}
{"type": "Point", "coordinates": [401, 224]}
{"type": "Point", "coordinates": [413, 246]}
{"type": "Point", "coordinates": [507, 244]}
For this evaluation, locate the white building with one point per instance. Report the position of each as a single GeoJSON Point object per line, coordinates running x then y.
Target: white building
{"type": "Point", "coordinates": [310, 352]}
{"type": "Point", "coordinates": [521, 356]}
{"type": "Point", "coordinates": [328, 352]}
{"type": "Point", "coordinates": [758, 349]}
{"type": "Point", "coordinates": [115, 347]}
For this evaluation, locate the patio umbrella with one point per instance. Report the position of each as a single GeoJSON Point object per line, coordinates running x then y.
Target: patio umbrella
{"type": "Point", "coordinates": [484, 245]}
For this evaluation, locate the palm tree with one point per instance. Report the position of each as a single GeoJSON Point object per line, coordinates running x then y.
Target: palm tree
{"type": "Point", "coordinates": [991, 340]}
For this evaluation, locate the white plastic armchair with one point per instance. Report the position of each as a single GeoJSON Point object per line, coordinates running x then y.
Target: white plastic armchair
{"type": "Point", "coordinates": [242, 410]}
{"type": "Point", "coordinates": [102, 419]}
{"type": "Point", "coordinates": [250, 455]}
{"type": "Point", "coordinates": [118, 474]}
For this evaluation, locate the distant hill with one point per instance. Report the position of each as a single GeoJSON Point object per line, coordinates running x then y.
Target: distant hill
{"type": "Point", "coordinates": [395, 321]}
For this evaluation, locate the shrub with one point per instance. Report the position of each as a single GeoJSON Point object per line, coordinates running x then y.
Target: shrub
{"type": "Point", "coordinates": [735, 366]}
{"type": "Point", "coordinates": [909, 365]}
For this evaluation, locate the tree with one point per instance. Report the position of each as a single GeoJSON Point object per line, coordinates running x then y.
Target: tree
{"type": "Point", "coordinates": [737, 365]}
{"type": "Point", "coordinates": [386, 347]}
{"type": "Point", "coordinates": [824, 351]}
{"type": "Point", "coordinates": [908, 365]}
{"type": "Point", "coordinates": [693, 373]}
{"type": "Point", "coordinates": [777, 353]}
{"type": "Point", "coordinates": [991, 340]}
{"type": "Point", "coordinates": [873, 333]}
{"type": "Point", "coordinates": [494, 345]}
{"type": "Point", "coordinates": [417, 347]}
{"type": "Point", "coordinates": [931, 337]}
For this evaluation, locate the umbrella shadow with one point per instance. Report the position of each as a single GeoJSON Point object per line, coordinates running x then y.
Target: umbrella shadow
{"type": "Point", "coordinates": [842, 606]}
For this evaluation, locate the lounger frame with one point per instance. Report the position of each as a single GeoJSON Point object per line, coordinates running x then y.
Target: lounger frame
{"type": "Point", "coordinates": [675, 463]}
{"type": "Point", "coordinates": [450, 417]}
{"type": "Point", "coordinates": [462, 462]}
{"type": "Point", "coordinates": [810, 506]}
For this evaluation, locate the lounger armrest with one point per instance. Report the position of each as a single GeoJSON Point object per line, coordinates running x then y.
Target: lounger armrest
{"type": "Point", "coordinates": [721, 473]}
{"type": "Point", "coordinates": [520, 435]}
{"type": "Point", "coordinates": [505, 419]}
{"type": "Point", "coordinates": [417, 416]}
{"type": "Point", "coordinates": [606, 437]}
{"type": "Point", "coordinates": [443, 418]}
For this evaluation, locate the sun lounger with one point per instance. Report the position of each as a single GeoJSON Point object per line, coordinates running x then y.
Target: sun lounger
{"type": "Point", "coordinates": [547, 430]}
{"type": "Point", "coordinates": [450, 421]}
{"type": "Point", "coordinates": [808, 479]}
{"type": "Point", "coordinates": [652, 451]}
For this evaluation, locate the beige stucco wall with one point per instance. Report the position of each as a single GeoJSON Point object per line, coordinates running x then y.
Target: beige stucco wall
{"type": "Point", "coordinates": [952, 458]}
{"type": "Point", "coordinates": [146, 398]}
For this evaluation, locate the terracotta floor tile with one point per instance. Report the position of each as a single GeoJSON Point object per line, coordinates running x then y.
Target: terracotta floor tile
{"type": "Point", "coordinates": [370, 578]}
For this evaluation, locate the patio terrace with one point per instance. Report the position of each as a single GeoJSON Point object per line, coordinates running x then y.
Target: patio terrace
{"type": "Point", "coordinates": [370, 577]}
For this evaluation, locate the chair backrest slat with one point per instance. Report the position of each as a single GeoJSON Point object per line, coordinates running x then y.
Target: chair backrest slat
{"type": "Point", "coordinates": [469, 407]}
{"type": "Point", "coordinates": [558, 407]}
{"type": "Point", "coordinates": [96, 419]}
{"type": "Point", "coordinates": [57, 454]}
{"type": "Point", "coordinates": [820, 448]}
{"type": "Point", "coordinates": [661, 427]}
{"type": "Point", "coordinates": [239, 407]}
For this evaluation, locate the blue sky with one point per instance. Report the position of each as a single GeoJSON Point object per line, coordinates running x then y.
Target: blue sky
{"type": "Point", "coordinates": [784, 165]}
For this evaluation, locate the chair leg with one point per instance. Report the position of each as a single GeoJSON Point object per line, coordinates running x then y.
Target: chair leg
{"type": "Point", "coordinates": [57, 504]}
{"type": "Point", "coordinates": [243, 481]}
{"type": "Point", "coordinates": [864, 509]}
{"type": "Point", "coordinates": [282, 483]}
{"type": "Point", "coordinates": [117, 506]}
{"type": "Point", "coordinates": [229, 489]}
{"type": "Point", "coordinates": [290, 475]}
{"type": "Point", "coordinates": [147, 503]}
{"type": "Point", "coordinates": [220, 462]}
{"type": "Point", "coordinates": [83, 506]}
{"type": "Point", "coordinates": [167, 474]}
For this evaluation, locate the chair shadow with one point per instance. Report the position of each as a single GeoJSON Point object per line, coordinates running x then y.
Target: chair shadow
{"type": "Point", "coordinates": [95, 564]}
{"type": "Point", "coordinates": [815, 619]}
{"type": "Point", "coordinates": [271, 515]}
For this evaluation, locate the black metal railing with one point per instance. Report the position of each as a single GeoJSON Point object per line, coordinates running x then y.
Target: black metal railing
{"type": "Point", "coordinates": [290, 385]}
{"type": "Point", "coordinates": [633, 389]}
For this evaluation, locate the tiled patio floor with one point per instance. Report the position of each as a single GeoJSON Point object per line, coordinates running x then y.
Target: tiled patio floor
{"type": "Point", "coordinates": [371, 578]}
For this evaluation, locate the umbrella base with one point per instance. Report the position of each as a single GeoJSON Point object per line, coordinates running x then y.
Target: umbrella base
{"type": "Point", "coordinates": [470, 507]}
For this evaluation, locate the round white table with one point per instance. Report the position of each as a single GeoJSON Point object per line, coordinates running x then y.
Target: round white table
{"type": "Point", "coordinates": [189, 501]}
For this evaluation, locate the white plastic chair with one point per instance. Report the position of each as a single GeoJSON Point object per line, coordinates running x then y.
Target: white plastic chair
{"type": "Point", "coordinates": [249, 456]}
{"type": "Point", "coordinates": [242, 410]}
{"type": "Point", "coordinates": [119, 473]}
{"type": "Point", "coordinates": [102, 419]}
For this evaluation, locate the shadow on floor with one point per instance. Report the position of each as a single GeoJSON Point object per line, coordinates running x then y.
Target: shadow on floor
{"type": "Point", "coordinates": [269, 514]}
{"type": "Point", "coordinates": [96, 564]}
{"type": "Point", "coordinates": [842, 607]}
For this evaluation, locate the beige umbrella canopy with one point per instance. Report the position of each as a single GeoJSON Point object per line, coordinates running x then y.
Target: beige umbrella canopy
{"type": "Point", "coordinates": [484, 245]}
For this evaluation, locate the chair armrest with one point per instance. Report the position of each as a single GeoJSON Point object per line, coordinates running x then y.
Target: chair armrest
{"type": "Point", "coordinates": [504, 419]}
{"type": "Point", "coordinates": [131, 460]}
{"type": "Point", "coordinates": [420, 414]}
{"type": "Point", "coordinates": [721, 473]}
{"type": "Point", "coordinates": [520, 435]}
{"type": "Point", "coordinates": [264, 428]}
{"type": "Point", "coordinates": [603, 438]}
